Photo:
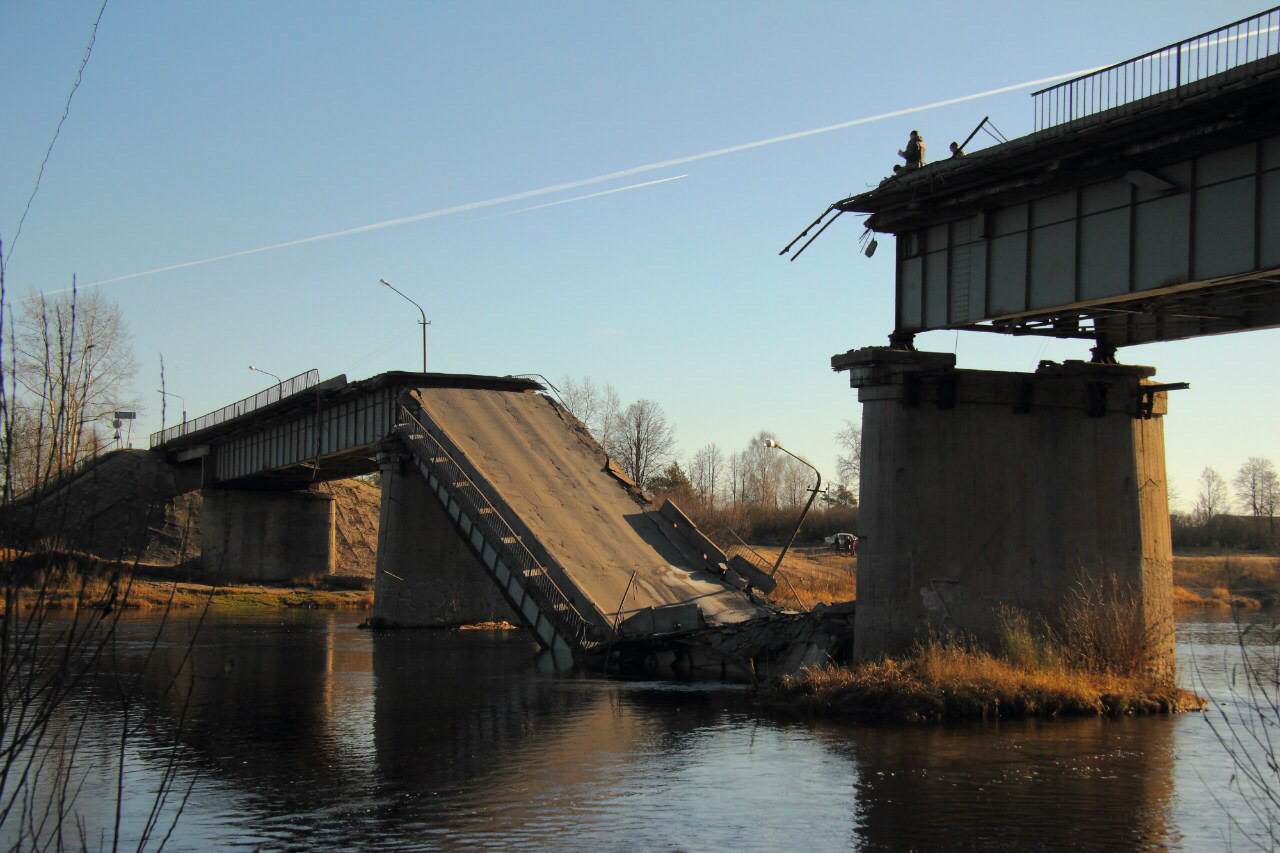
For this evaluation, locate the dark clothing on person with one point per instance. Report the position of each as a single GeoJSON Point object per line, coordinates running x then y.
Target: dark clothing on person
{"type": "Point", "coordinates": [915, 151]}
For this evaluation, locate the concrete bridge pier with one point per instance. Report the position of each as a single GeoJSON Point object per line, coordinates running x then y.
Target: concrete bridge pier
{"type": "Point", "coordinates": [267, 535]}
{"type": "Point", "coordinates": [427, 577]}
{"type": "Point", "coordinates": [989, 488]}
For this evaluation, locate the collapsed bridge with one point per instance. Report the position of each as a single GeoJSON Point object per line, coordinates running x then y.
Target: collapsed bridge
{"type": "Point", "coordinates": [496, 502]}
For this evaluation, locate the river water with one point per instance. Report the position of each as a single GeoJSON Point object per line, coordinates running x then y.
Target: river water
{"type": "Point", "coordinates": [297, 731]}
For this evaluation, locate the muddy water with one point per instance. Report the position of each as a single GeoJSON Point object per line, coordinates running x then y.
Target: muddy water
{"type": "Point", "coordinates": [303, 733]}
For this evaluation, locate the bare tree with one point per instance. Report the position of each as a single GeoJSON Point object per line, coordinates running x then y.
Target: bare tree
{"type": "Point", "coordinates": [597, 407]}
{"type": "Point", "coordinates": [1211, 500]}
{"type": "Point", "coordinates": [643, 442]}
{"type": "Point", "coordinates": [52, 664]}
{"type": "Point", "coordinates": [736, 474]}
{"type": "Point", "coordinates": [73, 365]}
{"type": "Point", "coordinates": [762, 475]}
{"type": "Point", "coordinates": [1256, 488]}
{"type": "Point", "coordinates": [849, 455]}
{"type": "Point", "coordinates": [581, 397]}
{"type": "Point", "coordinates": [796, 482]}
{"type": "Point", "coordinates": [706, 469]}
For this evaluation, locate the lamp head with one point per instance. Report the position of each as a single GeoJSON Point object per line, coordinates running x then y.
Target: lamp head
{"type": "Point", "coordinates": [384, 281]}
{"type": "Point", "coordinates": [769, 442]}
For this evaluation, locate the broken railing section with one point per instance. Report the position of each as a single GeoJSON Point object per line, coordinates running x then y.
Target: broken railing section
{"type": "Point", "coordinates": [533, 594]}
{"type": "Point", "coordinates": [735, 570]}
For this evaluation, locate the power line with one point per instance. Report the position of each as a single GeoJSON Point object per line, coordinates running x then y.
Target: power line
{"type": "Point", "coordinates": [66, 110]}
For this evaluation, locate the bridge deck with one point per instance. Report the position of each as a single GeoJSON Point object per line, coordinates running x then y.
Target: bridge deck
{"type": "Point", "coordinates": [542, 469]}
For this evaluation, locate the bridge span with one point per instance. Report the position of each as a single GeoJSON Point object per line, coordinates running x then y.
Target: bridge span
{"type": "Point", "coordinates": [497, 503]}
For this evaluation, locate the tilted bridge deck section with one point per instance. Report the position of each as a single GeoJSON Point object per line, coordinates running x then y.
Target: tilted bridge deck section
{"type": "Point", "coordinates": [588, 562]}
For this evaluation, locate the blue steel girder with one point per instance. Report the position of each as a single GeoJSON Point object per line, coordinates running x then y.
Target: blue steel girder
{"type": "Point", "coordinates": [1158, 222]}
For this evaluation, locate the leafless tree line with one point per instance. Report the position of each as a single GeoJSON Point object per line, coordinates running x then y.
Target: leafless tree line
{"type": "Point", "coordinates": [642, 440]}
{"type": "Point", "coordinates": [1257, 492]}
{"type": "Point", "coordinates": [70, 368]}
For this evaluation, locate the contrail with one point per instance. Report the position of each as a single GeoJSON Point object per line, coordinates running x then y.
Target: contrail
{"type": "Point", "coordinates": [599, 179]}
{"type": "Point", "coordinates": [387, 223]}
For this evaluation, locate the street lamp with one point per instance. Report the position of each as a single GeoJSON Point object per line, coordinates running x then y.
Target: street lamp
{"type": "Point", "coordinates": [279, 381]}
{"type": "Point", "coordinates": [424, 322]}
{"type": "Point", "coordinates": [180, 397]}
{"type": "Point", "coordinates": [769, 442]}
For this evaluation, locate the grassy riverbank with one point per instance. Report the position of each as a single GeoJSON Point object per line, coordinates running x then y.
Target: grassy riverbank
{"type": "Point", "coordinates": [1199, 581]}
{"type": "Point", "coordinates": [943, 680]}
{"type": "Point", "coordinates": [155, 594]}
{"type": "Point", "coordinates": [1232, 580]}
{"type": "Point", "coordinates": [66, 581]}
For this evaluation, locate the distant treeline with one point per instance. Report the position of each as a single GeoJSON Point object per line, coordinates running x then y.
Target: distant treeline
{"type": "Point", "coordinates": [1225, 532]}
{"type": "Point", "coordinates": [766, 524]}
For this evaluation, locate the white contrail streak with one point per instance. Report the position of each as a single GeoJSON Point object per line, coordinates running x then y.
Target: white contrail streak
{"type": "Point", "coordinates": [599, 179]}
{"type": "Point", "coordinates": [376, 226]}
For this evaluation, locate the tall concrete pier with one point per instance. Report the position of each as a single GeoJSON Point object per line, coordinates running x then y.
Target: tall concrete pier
{"type": "Point", "coordinates": [427, 577]}
{"type": "Point", "coordinates": [990, 488]}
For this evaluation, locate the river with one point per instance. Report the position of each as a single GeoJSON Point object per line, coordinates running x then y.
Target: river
{"type": "Point", "coordinates": [296, 731]}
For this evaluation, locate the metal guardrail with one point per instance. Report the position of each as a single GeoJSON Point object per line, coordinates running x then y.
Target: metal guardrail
{"type": "Point", "coordinates": [428, 444]}
{"type": "Point", "coordinates": [1167, 70]}
{"type": "Point", "coordinates": [274, 394]}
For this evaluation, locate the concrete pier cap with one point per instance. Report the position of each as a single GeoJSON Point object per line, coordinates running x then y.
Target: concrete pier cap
{"type": "Point", "coordinates": [982, 489]}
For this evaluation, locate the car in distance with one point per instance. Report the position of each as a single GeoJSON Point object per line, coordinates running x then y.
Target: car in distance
{"type": "Point", "coordinates": [846, 542]}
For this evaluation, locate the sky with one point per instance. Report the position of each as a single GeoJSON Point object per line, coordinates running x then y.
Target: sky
{"type": "Point", "coordinates": [566, 188]}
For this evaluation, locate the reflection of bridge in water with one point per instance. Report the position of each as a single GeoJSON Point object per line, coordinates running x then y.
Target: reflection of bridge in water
{"type": "Point", "coordinates": [306, 734]}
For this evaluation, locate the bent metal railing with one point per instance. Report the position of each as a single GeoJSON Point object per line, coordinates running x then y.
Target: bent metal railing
{"type": "Point", "coordinates": [427, 443]}
{"type": "Point", "coordinates": [1168, 70]}
{"type": "Point", "coordinates": [266, 397]}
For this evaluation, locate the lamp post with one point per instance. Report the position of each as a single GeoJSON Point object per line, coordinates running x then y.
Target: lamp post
{"type": "Point", "coordinates": [769, 442]}
{"type": "Point", "coordinates": [424, 321]}
{"type": "Point", "coordinates": [279, 381]}
{"type": "Point", "coordinates": [180, 397]}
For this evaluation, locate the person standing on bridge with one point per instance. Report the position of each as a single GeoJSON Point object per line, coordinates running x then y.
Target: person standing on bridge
{"type": "Point", "coordinates": [913, 154]}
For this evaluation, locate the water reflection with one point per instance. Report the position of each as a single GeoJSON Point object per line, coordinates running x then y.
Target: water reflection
{"type": "Point", "coordinates": [1084, 784]}
{"type": "Point", "coordinates": [303, 733]}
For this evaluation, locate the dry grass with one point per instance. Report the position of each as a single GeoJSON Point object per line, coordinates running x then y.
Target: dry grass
{"type": "Point", "coordinates": [1235, 580]}
{"type": "Point", "coordinates": [75, 582]}
{"type": "Point", "coordinates": [949, 680]}
{"type": "Point", "coordinates": [815, 574]}
{"type": "Point", "coordinates": [157, 595]}
{"type": "Point", "coordinates": [1097, 664]}
{"type": "Point", "coordinates": [1249, 581]}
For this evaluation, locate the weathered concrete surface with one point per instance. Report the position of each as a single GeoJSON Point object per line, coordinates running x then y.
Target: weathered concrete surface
{"type": "Point", "coordinates": [592, 530]}
{"type": "Point", "coordinates": [268, 536]}
{"type": "Point", "coordinates": [983, 488]}
{"type": "Point", "coordinates": [426, 574]}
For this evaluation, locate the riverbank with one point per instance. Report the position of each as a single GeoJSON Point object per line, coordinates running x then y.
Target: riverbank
{"type": "Point", "coordinates": [941, 681]}
{"type": "Point", "coordinates": [157, 594]}
{"type": "Point", "coordinates": [66, 581]}
{"type": "Point", "coordinates": [811, 574]}
{"type": "Point", "coordinates": [1227, 580]}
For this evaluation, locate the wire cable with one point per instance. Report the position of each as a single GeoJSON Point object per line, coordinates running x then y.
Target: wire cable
{"type": "Point", "coordinates": [66, 110]}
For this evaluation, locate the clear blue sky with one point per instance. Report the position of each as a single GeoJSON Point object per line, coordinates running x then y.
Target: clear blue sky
{"type": "Point", "coordinates": [202, 130]}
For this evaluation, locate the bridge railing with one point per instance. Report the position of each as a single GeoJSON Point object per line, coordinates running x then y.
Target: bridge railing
{"type": "Point", "coordinates": [1171, 70]}
{"type": "Point", "coordinates": [266, 397]}
{"type": "Point", "coordinates": [534, 579]}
